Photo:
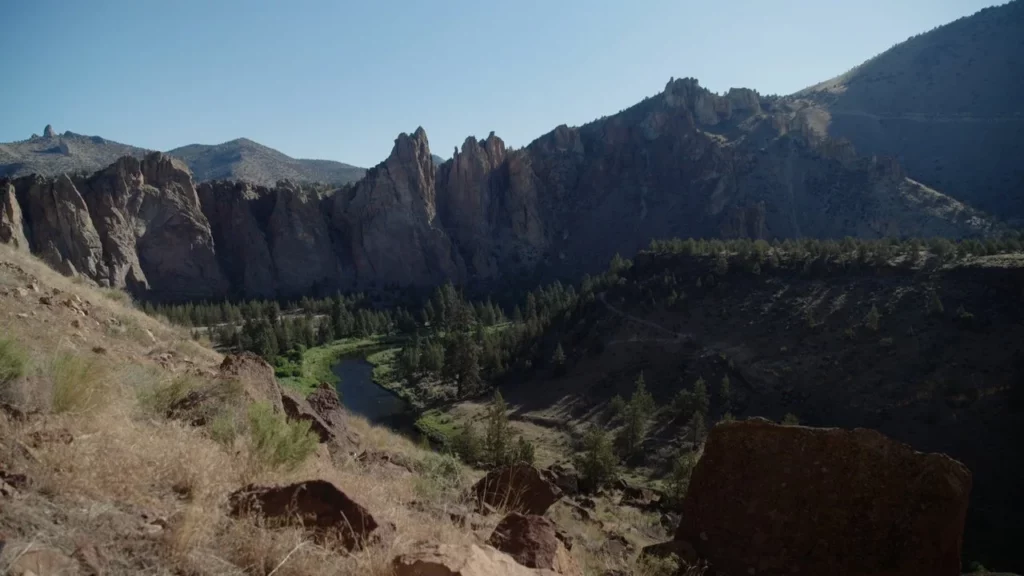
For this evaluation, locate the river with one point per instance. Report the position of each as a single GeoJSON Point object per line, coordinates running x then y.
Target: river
{"type": "Point", "coordinates": [360, 395]}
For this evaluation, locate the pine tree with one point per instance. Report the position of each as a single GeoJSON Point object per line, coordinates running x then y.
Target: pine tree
{"type": "Point", "coordinates": [467, 444]}
{"type": "Point", "coordinates": [597, 464]}
{"type": "Point", "coordinates": [935, 306]}
{"type": "Point", "coordinates": [725, 393]}
{"type": "Point", "coordinates": [872, 319]}
{"type": "Point", "coordinates": [499, 433]}
{"type": "Point", "coordinates": [701, 400]}
{"type": "Point", "coordinates": [638, 412]}
{"type": "Point", "coordinates": [558, 359]}
{"type": "Point", "coordinates": [698, 429]}
{"type": "Point", "coordinates": [679, 478]}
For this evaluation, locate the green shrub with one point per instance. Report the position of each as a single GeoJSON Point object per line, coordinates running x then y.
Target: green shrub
{"type": "Point", "coordinates": [679, 479]}
{"type": "Point", "coordinates": [651, 565]}
{"type": "Point", "coordinates": [439, 475]}
{"type": "Point", "coordinates": [12, 362]}
{"type": "Point", "coordinates": [790, 419]}
{"type": "Point", "coordinates": [224, 428]}
{"type": "Point", "coordinates": [276, 442]}
{"type": "Point", "coordinates": [79, 384]}
{"type": "Point", "coordinates": [468, 445]}
{"type": "Point", "coordinates": [523, 452]}
{"type": "Point", "coordinates": [159, 399]}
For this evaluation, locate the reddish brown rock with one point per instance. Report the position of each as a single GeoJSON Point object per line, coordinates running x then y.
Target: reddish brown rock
{"type": "Point", "coordinates": [564, 476]}
{"type": "Point", "coordinates": [316, 505]}
{"type": "Point", "coordinates": [518, 488]}
{"type": "Point", "coordinates": [256, 376]}
{"type": "Point", "coordinates": [428, 559]}
{"type": "Point", "coordinates": [534, 542]}
{"type": "Point", "coordinates": [771, 499]}
{"type": "Point", "coordinates": [325, 403]}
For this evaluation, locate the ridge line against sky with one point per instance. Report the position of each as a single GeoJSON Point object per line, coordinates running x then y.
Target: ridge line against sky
{"type": "Point", "coordinates": [338, 81]}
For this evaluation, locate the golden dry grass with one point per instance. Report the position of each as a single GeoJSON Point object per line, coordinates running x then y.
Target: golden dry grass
{"type": "Point", "coordinates": [151, 492]}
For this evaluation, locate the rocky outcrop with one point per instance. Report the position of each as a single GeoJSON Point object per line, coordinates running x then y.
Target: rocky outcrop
{"type": "Point", "coordinates": [533, 542]}
{"type": "Point", "coordinates": [517, 488]}
{"type": "Point", "coordinates": [428, 559]}
{"type": "Point", "coordinates": [136, 224]}
{"type": "Point", "coordinates": [387, 221]}
{"type": "Point", "coordinates": [255, 376]}
{"type": "Point", "coordinates": [62, 233]}
{"type": "Point", "coordinates": [12, 223]}
{"type": "Point", "coordinates": [334, 433]}
{"type": "Point", "coordinates": [772, 499]}
{"type": "Point", "coordinates": [316, 505]}
{"type": "Point", "coordinates": [155, 236]}
{"type": "Point", "coordinates": [685, 163]}
{"type": "Point", "coordinates": [48, 132]}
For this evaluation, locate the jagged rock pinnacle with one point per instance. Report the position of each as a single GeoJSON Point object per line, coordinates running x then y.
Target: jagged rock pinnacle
{"type": "Point", "coordinates": [48, 131]}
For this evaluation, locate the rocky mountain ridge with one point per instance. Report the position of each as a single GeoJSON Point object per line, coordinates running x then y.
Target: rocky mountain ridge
{"type": "Point", "coordinates": [53, 154]}
{"type": "Point", "coordinates": [686, 162]}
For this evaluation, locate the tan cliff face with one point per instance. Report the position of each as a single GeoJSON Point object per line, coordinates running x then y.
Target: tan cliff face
{"type": "Point", "coordinates": [684, 163]}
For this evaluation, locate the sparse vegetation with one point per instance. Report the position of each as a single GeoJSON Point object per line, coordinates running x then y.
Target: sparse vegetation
{"type": "Point", "coordinates": [790, 419]}
{"type": "Point", "coordinates": [597, 464]}
{"type": "Point", "coordinates": [79, 384]}
{"type": "Point", "coordinates": [276, 442]}
{"type": "Point", "coordinates": [679, 477]}
{"type": "Point", "coordinates": [13, 361]}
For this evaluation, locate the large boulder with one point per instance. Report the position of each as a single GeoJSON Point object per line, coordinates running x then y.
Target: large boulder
{"type": "Point", "coordinates": [564, 476]}
{"type": "Point", "coordinates": [534, 542]}
{"type": "Point", "coordinates": [772, 499]}
{"type": "Point", "coordinates": [518, 488]}
{"type": "Point", "coordinates": [428, 559]}
{"type": "Point", "coordinates": [256, 377]}
{"type": "Point", "coordinates": [317, 505]}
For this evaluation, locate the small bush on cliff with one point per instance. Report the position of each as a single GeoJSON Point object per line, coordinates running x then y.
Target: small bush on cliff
{"type": "Point", "coordinates": [12, 363]}
{"type": "Point", "coordinates": [523, 452]}
{"type": "Point", "coordinates": [276, 442]}
{"type": "Point", "coordinates": [79, 384]}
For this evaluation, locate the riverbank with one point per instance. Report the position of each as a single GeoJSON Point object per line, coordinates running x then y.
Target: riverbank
{"type": "Point", "coordinates": [317, 362]}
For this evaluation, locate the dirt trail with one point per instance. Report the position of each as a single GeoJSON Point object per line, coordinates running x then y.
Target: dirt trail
{"type": "Point", "coordinates": [677, 337]}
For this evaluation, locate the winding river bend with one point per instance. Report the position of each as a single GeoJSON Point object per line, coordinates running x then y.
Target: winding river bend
{"type": "Point", "coordinates": [361, 395]}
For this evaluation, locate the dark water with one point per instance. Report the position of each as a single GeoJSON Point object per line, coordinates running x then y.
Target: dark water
{"type": "Point", "coordinates": [360, 395]}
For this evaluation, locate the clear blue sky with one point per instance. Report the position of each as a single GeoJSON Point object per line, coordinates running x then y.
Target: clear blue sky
{"type": "Point", "coordinates": [339, 80]}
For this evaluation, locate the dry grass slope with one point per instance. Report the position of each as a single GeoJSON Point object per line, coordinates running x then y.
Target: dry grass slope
{"type": "Point", "coordinates": [104, 468]}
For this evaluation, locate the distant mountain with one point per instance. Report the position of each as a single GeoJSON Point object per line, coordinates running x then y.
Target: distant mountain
{"type": "Point", "coordinates": [52, 154]}
{"type": "Point", "coordinates": [948, 104]}
{"type": "Point", "coordinates": [243, 159]}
